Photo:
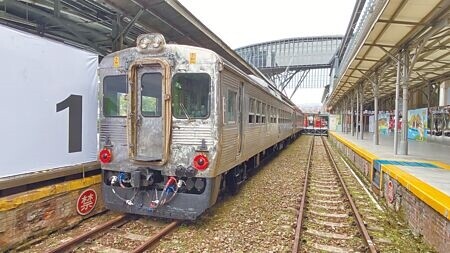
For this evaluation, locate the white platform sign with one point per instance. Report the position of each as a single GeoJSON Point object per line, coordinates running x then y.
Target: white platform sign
{"type": "Point", "coordinates": [333, 123]}
{"type": "Point", "coordinates": [48, 104]}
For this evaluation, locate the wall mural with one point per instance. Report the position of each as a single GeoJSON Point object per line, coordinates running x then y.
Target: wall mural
{"type": "Point", "coordinates": [417, 124]}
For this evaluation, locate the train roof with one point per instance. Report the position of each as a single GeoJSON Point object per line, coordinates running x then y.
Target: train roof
{"type": "Point", "coordinates": [162, 48]}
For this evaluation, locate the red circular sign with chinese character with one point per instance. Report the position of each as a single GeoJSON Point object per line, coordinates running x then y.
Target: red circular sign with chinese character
{"type": "Point", "coordinates": [86, 201]}
{"type": "Point", "coordinates": [390, 191]}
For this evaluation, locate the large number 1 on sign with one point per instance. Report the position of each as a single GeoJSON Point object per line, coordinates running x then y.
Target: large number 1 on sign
{"type": "Point", "coordinates": [74, 103]}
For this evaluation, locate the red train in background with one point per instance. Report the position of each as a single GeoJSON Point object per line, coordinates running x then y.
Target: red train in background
{"type": "Point", "coordinates": [316, 123]}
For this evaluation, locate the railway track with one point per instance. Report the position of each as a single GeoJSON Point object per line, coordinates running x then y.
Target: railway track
{"type": "Point", "coordinates": [328, 220]}
{"type": "Point", "coordinates": [111, 231]}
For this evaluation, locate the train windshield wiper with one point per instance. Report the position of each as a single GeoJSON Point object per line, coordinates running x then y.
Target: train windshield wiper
{"type": "Point", "coordinates": [185, 111]}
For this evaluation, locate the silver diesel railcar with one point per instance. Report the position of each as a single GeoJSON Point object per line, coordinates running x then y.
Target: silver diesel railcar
{"type": "Point", "coordinates": [179, 124]}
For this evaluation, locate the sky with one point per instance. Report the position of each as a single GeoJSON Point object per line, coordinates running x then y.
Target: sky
{"type": "Point", "coordinates": [244, 22]}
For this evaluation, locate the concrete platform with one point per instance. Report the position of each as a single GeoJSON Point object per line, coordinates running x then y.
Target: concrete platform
{"type": "Point", "coordinates": [416, 185]}
{"type": "Point", "coordinates": [425, 170]}
{"type": "Point", "coordinates": [424, 151]}
{"type": "Point", "coordinates": [36, 213]}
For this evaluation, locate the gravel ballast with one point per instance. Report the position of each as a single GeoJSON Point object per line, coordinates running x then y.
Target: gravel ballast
{"type": "Point", "coordinates": [260, 218]}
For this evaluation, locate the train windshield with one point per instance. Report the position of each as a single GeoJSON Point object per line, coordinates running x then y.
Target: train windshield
{"type": "Point", "coordinates": [114, 92]}
{"type": "Point", "coordinates": [190, 95]}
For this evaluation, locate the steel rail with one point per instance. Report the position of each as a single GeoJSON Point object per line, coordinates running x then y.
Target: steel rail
{"type": "Point", "coordinates": [156, 237]}
{"type": "Point", "coordinates": [361, 226]}
{"type": "Point", "coordinates": [298, 230]}
{"type": "Point", "coordinates": [77, 240]}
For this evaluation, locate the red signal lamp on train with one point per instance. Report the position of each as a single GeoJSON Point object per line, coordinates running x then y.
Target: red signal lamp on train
{"type": "Point", "coordinates": [201, 162]}
{"type": "Point", "coordinates": [105, 155]}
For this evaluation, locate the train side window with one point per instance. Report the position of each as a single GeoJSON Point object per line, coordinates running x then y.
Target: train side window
{"type": "Point", "coordinates": [263, 113]}
{"type": "Point", "coordinates": [151, 90]}
{"type": "Point", "coordinates": [251, 110]}
{"type": "Point", "coordinates": [269, 114]}
{"type": "Point", "coordinates": [231, 107]}
{"type": "Point", "coordinates": [114, 96]}
{"type": "Point", "coordinates": [278, 116]}
{"type": "Point", "coordinates": [258, 112]}
{"type": "Point", "coordinates": [191, 95]}
{"type": "Point", "coordinates": [272, 115]}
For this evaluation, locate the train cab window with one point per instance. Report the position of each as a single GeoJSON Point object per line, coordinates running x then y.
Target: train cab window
{"type": "Point", "coordinates": [151, 91]}
{"type": "Point", "coordinates": [230, 116]}
{"type": "Point", "coordinates": [114, 93]}
{"type": "Point", "coordinates": [191, 95]}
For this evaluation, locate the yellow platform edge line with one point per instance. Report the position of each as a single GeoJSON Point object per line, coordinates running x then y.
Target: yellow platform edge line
{"type": "Point", "coordinates": [360, 151]}
{"type": "Point", "coordinates": [13, 201]}
{"type": "Point", "coordinates": [438, 200]}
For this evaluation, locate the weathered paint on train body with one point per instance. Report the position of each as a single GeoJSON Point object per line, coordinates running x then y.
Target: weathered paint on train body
{"type": "Point", "coordinates": [168, 112]}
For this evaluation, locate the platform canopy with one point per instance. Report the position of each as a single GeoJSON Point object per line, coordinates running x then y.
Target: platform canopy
{"type": "Point", "coordinates": [104, 26]}
{"type": "Point", "coordinates": [421, 28]}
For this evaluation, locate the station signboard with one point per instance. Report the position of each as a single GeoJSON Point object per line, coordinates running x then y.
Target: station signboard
{"type": "Point", "coordinates": [49, 104]}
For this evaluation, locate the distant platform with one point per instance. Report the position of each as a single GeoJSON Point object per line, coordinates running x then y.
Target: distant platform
{"type": "Point", "coordinates": [425, 171]}
{"type": "Point", "coordinates": [417, 150]}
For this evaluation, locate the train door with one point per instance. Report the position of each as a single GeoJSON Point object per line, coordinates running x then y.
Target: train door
{"type": "Point", "coordinates": [148, 110]}
{"type": "Point", "coordinates": [240, 117]}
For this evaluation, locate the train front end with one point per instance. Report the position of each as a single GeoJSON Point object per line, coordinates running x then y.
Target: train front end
{"type": "Point", "coordinates": [158, 135]}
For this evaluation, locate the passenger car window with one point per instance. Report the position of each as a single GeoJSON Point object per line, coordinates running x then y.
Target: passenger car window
{"type": "Point", "coordinates": [114, 92]}
{"type": "Point", "coordinates": [251, 110]}
{"type": "Point", "coordinates": [263, 113]}
{"type": "Point", "coordinates": [231, 107]}
{"type": "Point", "coordinates": [258, 111]}
{"type": "Point", "coordinates": [190, 95]}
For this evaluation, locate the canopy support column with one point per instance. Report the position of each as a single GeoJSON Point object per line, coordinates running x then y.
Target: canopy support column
{"type": "Point", "coordinates": [361, 111]}
{"type": "Point", "coordinates": [357, 113]}
{"type": "Point", "coordinates": [405, 80]}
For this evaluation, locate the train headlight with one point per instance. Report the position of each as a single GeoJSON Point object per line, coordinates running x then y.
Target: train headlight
{"type": "Point", "coordinates": [150, 43]}
{"type": "Point", "coordinates": [201, 162]}
{"type": "Point", "coordinates": [105, 155]}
